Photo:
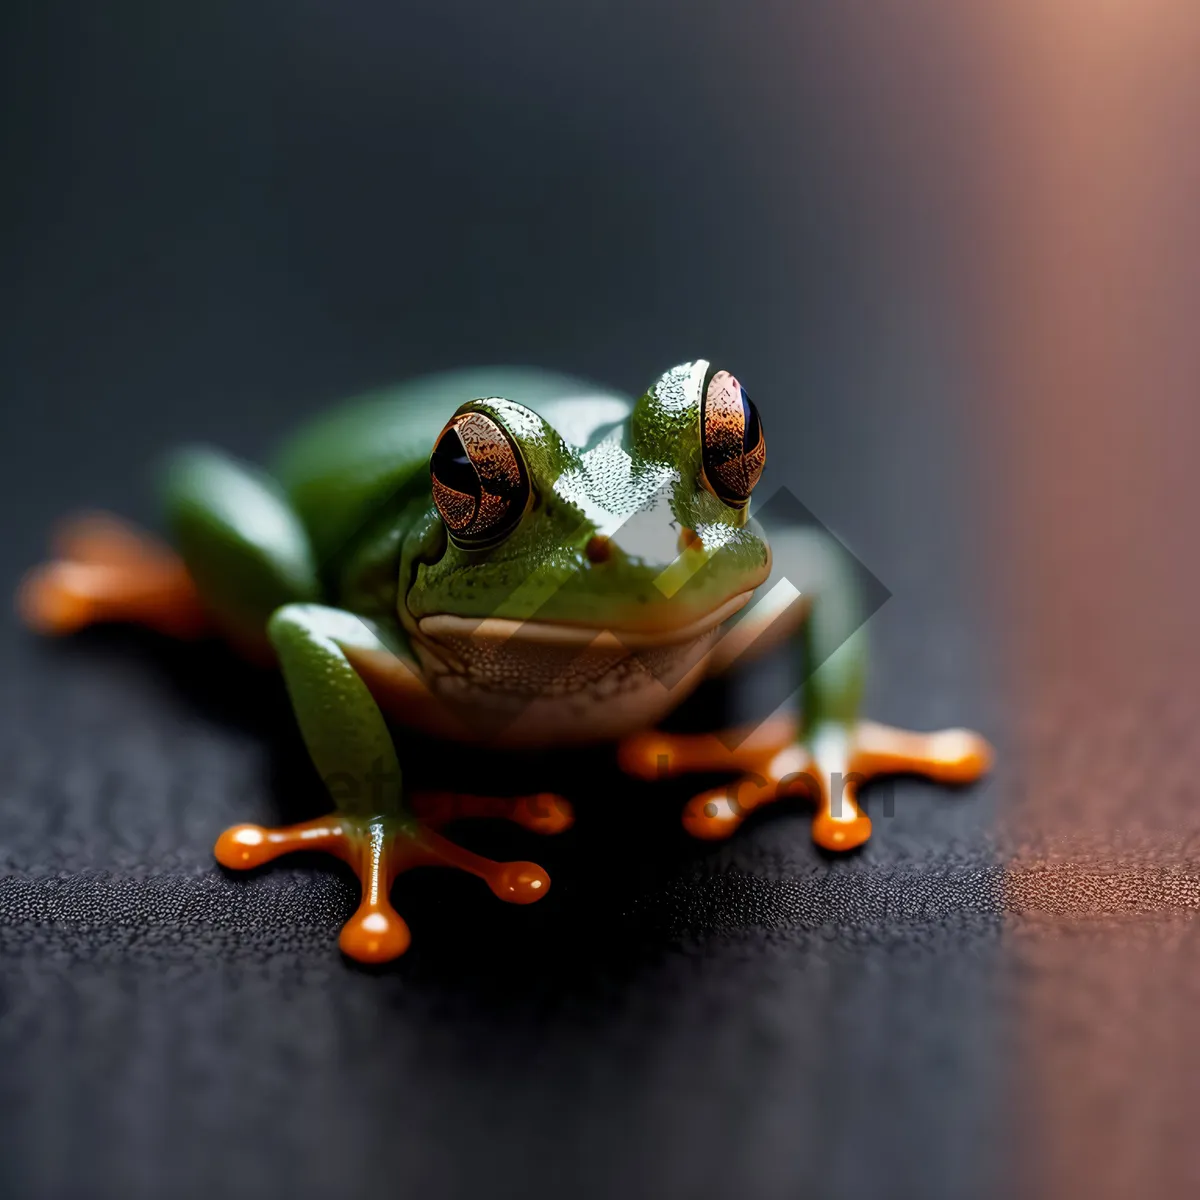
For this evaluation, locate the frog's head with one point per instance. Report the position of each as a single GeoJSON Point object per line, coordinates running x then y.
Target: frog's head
{"type": "Point", "coordinates": [643, 531]}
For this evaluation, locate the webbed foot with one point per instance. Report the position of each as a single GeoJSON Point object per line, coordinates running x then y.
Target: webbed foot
{"type": "Point", "coordinates": [770, 763]}
{"type": "Point", "coordinates": [379, 850]}
{"type": "Point", "coordinates": [106, 570]}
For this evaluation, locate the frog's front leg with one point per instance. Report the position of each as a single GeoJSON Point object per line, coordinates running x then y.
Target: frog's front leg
{"type": "Point", "coordinates": [376, 829]}
{"type": "Point", "coordinates": [831, 752]}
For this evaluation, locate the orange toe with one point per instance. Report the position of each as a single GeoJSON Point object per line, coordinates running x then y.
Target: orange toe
{"type": "Point", "coordinates": [545, 813]}
{"type": "Point", "coordinates": [831, 833]}
{"type": "Point", "coordinates": [375, 934]}
{"type": "Point", "coordinates": [712, 816]}
{"type": "Point", "coordinates": [47, 605]}
{"type": "Point", "coordinates": [963, 755]}
{"type": "Point", "coordinates": [645, 755]}
{"type": "Point", "coordinates": [241, 847]}
{"type": "Point", "coordinates": [519, 882]}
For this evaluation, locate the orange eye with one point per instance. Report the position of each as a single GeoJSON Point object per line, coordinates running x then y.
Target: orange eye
{"type": "Point", "coordinates": [480, 484]}
{"type": "Point", "coordinates": [734, 449]}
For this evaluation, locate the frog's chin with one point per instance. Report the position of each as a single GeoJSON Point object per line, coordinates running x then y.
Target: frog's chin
{"type": "Point", "coordinates": [444, 627]}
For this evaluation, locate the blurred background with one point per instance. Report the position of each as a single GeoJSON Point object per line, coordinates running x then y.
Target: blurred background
{"type": "Point", "coordinates": [952, 251]}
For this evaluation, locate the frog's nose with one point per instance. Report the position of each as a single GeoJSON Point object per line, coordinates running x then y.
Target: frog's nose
{"type": "Point", "coordinates": [643, 540]}
{"type": "Point", "coordinates": [599, 548]}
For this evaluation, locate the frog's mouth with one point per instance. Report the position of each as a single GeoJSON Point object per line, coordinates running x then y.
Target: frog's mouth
{"type": "Point", "coordinates": [444, 627]}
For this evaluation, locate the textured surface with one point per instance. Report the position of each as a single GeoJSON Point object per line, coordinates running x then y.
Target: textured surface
{"type": "Point", "coordinates": [208, 260]}
{"type": "Point", "coordinates": [212, 228]}
{"type": "Point", "coordinates": [672, 1017]}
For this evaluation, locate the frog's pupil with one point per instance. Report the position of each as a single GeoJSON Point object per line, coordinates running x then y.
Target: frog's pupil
{"type": "Point", "coordinates": [452, 466]}
{"type": "Point", "coordinates": [751, 426]}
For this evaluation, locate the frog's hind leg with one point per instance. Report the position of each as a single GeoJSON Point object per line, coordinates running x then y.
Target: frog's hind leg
{"type": "Point", "coordinates": [242, 553]}
{"type": "Point", "coordinates": [107, 570]}
{"type": "Point", "coordinates": [378, 829]}
{"type": "Point", "coordinates": [243, 544]}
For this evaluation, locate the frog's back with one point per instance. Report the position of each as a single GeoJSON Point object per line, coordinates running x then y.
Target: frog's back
{"type": "Point", "coordinates": [342, 468]}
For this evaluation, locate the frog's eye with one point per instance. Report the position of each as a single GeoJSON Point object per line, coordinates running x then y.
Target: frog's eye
{"type": "Point", "coordinates": [731, 434]}
{"type": "Point", "coordinates": [480, 484]}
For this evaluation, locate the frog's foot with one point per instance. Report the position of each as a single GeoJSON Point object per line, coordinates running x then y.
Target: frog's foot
{"type": "Point", "coordinates": [106, 570]}
{"type": "Point", "coordinates": [378, 850]}
{"type": "Point", "coordinates": [542, 812]}
{"type": "Point", "coordinates": [771, 763]}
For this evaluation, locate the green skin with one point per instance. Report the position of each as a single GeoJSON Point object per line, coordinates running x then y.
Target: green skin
{"type": "Point", "coordinates": [340, 545]}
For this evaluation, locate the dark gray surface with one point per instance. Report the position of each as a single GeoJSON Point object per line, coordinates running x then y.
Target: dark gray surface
{"type": "Point", "coordinates": [212, 225]}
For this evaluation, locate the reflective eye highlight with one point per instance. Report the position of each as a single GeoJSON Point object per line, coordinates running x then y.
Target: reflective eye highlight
{"type": "Point", "coordinates": [734, 447]}
{"type": "Point", "coordinates": [480, 484]}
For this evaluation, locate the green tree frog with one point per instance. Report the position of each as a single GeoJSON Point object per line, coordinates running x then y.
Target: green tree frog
{"type": "Point", "coordinates": [510, 557]}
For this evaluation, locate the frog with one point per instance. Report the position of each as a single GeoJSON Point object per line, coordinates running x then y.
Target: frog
{"type": "Point", "coordinates": [518, 560]}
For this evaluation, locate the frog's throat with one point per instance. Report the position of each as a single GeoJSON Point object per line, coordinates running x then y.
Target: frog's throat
{"type": "Point", "coordinates": [441, 627]}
